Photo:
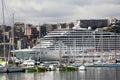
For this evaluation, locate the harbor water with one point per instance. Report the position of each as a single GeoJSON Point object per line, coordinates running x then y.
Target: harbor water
{"type": "Point", "coordinates": [92, 73]}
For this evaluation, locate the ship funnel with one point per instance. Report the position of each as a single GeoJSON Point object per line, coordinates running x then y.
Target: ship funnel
{"type": "Point", "coordinates": [77, 25]}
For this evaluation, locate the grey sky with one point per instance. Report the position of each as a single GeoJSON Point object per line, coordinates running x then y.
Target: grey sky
{"type": "Point", "coordinates": [55, 11]}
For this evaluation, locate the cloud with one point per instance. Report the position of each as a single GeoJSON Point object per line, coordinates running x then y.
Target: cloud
{"type": "Point", "coordinates": [55, 11]}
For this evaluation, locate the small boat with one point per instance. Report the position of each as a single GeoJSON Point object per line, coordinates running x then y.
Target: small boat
{"type": "Point", "coordinates": [50, 68]}
{"type": "Point", "coordinates": [3, 63]}
{"type": "Point", "coordinates": [70, 68]}
{"type": "Point", "coordinates": [57, 69]}
{"type": "Point", "coordinates": [82, 67]}
{"type": "Point", "coordinates": [3, 66]}
{"type": "Point", "coordinates": [15, 69]}
{"type": "Point", "coordinates": [28, 63]}
{"type": "Point", "coordinates": [3, 69]}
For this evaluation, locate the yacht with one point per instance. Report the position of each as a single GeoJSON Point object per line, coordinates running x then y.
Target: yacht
{"type": "Point", "coordinates": [72, 44]}
{"type": "Point", "coordinates": [28, 63]}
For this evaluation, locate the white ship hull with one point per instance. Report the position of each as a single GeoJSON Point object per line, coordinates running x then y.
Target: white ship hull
{"type": "Point", "coordinates": [53, 55]}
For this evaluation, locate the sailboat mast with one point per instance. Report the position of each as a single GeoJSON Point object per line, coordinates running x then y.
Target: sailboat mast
{"type": "Point", "coordinates": [3, 25]}
{"type": "Point", "coordinates": [13, 48]}
{"type": "Point", "coordinates": [39, 38]}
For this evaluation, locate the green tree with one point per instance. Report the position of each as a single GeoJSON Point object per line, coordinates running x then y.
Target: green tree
{"type": "Point", "coordinates": [115, 29]}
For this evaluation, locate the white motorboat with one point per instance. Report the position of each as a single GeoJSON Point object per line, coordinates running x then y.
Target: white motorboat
{"type": "Point", "coordinates": [82, 67]}
{"type": "Point", "coordinates": [28, 63]}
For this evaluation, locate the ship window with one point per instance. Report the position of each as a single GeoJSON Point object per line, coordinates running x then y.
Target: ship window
{"type": "Point", "coordinates": [66, 52]}
{"type": "Point", "coordinates": [65, 56]}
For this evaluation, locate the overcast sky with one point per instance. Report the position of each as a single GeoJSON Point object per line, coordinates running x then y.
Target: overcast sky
{"type": "Point", "coordinates": [57, 11]}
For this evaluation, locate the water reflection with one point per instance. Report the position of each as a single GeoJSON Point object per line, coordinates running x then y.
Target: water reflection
{"type": "Point", "coordinates": [89, 74]}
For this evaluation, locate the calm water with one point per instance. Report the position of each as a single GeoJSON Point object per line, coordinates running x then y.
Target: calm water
{"type": "Point", "coordinates": [89, 74]}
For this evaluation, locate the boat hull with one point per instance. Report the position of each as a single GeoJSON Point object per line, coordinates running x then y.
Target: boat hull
{"type": "Point", "coordinates": [3, 70]}
{"type": "Point", "coordinates": [14, 69]}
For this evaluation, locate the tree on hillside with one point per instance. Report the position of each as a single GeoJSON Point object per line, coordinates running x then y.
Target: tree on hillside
{"type": "Point", "coordinates": [115, 29]}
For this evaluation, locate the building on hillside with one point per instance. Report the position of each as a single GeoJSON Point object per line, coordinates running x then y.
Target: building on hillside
{"type": "Point", "coordinates": [93, 23]}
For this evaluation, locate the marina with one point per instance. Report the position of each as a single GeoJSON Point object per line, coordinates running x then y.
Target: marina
{"type": "Point", "coordinates": [89, 74]}
{"type": "Point", "coordinates": [83, 50]}
{"type": "Point", "coordinates": [74, 47]}
{"type": "Point", "coordinates": [68, 50]}
{"type": "Point", "coordinates": [31, 66]}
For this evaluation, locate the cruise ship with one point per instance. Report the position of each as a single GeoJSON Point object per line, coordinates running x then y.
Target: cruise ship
{"type": "Point", "coordinates": [74, 44]}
